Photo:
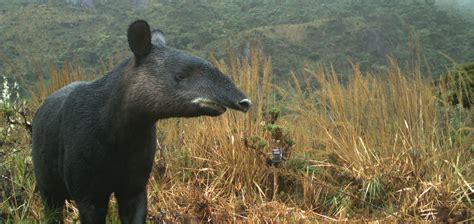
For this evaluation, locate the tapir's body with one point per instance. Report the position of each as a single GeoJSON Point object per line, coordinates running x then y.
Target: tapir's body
{"type": "Point", "coordinates": [92, 139]}
{"type": "Point", "coordinates": [84, 137]}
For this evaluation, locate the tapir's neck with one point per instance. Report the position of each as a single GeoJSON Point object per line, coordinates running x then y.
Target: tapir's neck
{"type": "Point", "coordinates": [120, 112]}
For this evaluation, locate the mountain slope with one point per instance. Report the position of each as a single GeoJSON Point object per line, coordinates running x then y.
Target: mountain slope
{"type": "Point", "coordinates": [292, 32]}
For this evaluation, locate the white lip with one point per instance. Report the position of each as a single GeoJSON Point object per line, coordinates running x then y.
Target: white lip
{"type": "Point", "coordinates": [204, 102]}
{"type": "Point", "coordinates": [200, 100]}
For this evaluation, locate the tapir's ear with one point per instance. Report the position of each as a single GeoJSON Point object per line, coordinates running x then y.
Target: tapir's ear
{"type": "Point", "coordinates": [158, 37]}
{"type": "Point", "coordinates": [139, 38]}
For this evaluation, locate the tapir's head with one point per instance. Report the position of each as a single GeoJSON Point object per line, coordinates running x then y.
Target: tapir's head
{"type": "Point", "coordinates": [172, 83]}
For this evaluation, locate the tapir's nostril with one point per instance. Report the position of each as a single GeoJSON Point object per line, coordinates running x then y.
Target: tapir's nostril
{"type": "Point", "coordinates": [245, 104]}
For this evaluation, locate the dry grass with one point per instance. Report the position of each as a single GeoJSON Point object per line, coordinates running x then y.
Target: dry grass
{"type": "Point", "coordinates": [374, 147]}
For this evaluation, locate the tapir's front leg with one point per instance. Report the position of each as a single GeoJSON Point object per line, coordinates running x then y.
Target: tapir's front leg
{"type": "Point", "coordinates": [93, 211]}
{"type": "Point", "coordinates": [132, 207]}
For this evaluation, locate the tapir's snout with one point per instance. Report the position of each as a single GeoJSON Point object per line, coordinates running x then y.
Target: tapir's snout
{"type": "Point", "coordinates": [226, 94]}
{"type": "Point", "coordinates": [243, 105]}
{"type": "Point", "coordinates": [240, 105]}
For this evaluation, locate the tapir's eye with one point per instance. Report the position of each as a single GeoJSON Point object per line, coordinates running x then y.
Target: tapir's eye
{"type": "Point", "coordinates": [182, 76]}
{"type": "Point", "coordinates": [188, 72]}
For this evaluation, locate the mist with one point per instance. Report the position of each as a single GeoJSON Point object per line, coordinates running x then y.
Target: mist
{"type": "Point", "coordinates": [465, 7]}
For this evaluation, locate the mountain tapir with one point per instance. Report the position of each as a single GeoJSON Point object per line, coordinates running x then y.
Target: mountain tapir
{"type": "Point", "coordinates": [95, 138]}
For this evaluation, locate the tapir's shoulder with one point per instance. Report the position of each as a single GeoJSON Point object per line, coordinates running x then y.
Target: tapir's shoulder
{"type": "Point", "coordinates": [66, 90]}
{"type": "Point", "coordinates": [54, 102]}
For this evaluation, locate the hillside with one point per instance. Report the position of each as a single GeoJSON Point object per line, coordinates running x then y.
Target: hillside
{"type": "Point", "coordinates": [365, 36]}
{"type": "Point", "coordinates": [292, 32]}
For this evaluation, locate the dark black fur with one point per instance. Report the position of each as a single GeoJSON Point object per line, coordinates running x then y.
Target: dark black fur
{"type": "Point", "coordinates": [91, 139]}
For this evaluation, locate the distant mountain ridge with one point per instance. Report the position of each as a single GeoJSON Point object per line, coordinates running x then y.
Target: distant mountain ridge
{"type": "Point", "coordinates": [295, 33]}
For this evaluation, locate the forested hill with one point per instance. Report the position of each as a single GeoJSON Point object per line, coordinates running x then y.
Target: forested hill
{"type": "Point", "coordinates": [293, 32]}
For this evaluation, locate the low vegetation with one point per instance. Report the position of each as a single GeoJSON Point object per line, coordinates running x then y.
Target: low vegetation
{"type": "Point", "coordinates": [379, 146]}
{"type": "Point", "coordinates": [459, 84]}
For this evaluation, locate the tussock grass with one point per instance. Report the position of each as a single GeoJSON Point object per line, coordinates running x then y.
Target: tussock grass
{"type": "Point", "coordinates": [383, 146]}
